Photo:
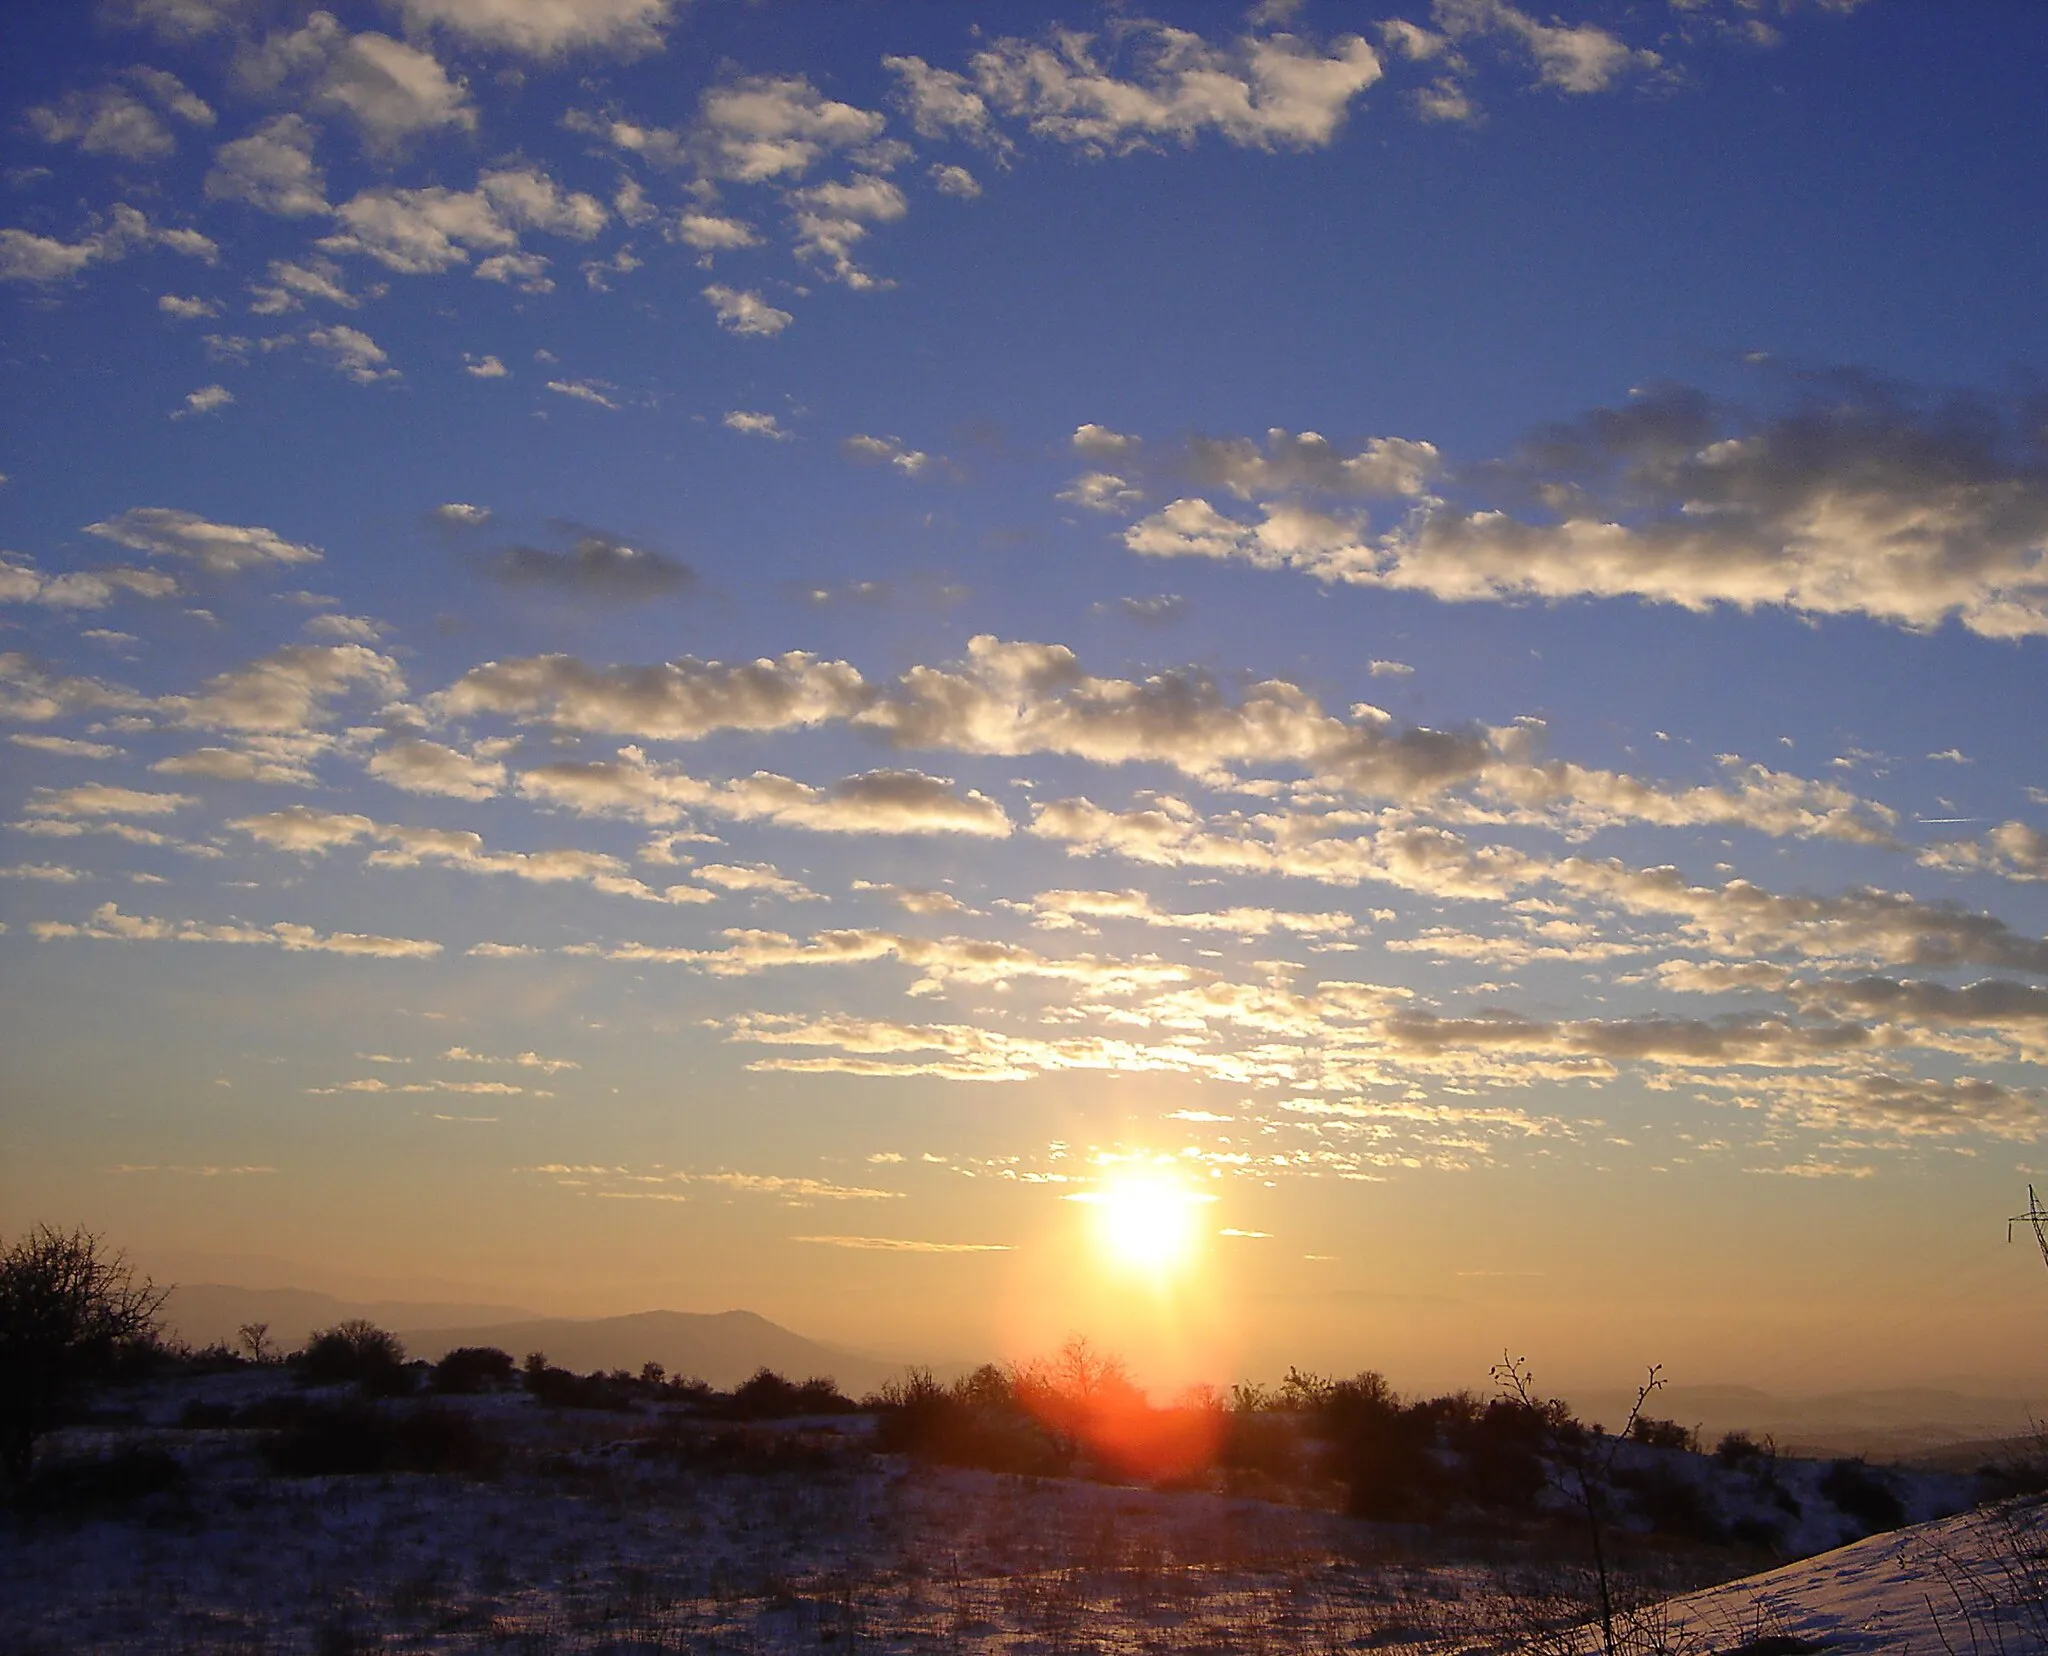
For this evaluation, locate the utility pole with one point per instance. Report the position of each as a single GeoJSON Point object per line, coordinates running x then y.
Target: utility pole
{"type": "Point", "coordinates": [2037, 1216]}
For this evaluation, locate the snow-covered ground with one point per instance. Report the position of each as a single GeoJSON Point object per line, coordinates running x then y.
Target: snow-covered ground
{"type": "Point", "coordinates": [645, 1530]}
{"type": "Point", "coordinates": [1972, 1585]}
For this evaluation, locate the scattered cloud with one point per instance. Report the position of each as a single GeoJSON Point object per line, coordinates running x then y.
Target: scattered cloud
{"type": "Point", "coordinates": [121, 231]}
{"type": "Point", "coordinates": [756, 425]}
{"type": "Point", "coordinates": [108, 923]}
{"type": "Point", "coordinates": [417, 766]}
{"type": "Point", "coordinates": [889, 451]}
{"type": "Point", "coordinates": [1147, 84]}
{"type": "Point", "coordinates": [739, 311]}
{"type": "Point", "coordinates": [208, 399]}
{"type": "Point", "coordinates": [596, 566]}
{"type": "Point", "coordinates": [220, 548]}
{"type": "Point", "coordinates": [271, 169]}
{"type": "Point", "coordinates": [546, 28]}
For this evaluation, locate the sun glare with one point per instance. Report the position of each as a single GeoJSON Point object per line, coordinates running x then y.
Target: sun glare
{"type": "Point", "coordinates": [1146, 1222]}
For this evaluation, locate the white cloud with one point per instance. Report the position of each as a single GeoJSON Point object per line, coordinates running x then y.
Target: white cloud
{"type": "Point", "coordinates": [206, 400]}
{"type": "Point", "coordinates": [941, 103]}
{"type": "Point", "coordinates": [352, 353]}
{"type": "Point", "coordinates": [308, 832]}
{"type": "Point", "coordinates": [108, 120]}
{"type": "Point", "coordinates": [111, 120]}
{"type": "Point", "coordinates": [67, 746]}
{"type": "Point", "coordinates": [1018, 698]}
{"type": "Point", "coordinates": [185, 309]}
{"type": "Point", "coordinates": [291, 283]}
{"type": "Point", "coordinates": [278, 760]}
{"type": "Point", "coordinates": [546, 28]}
{"type": "Point", "coordinates": [1099, 442]}
{"type": "Point", "coordinates": [915, 900]}
{"type": "Point", "coordinates": [424, 231]}
{"type": "Point", "coordinates": [528, 272]}
{"type": "Point", "coordinates": [875, 802]}
{"type": "Point", "coordinates": [1382, 466]}
{"type": "Point", "coordinates": [768, 128]}
{"type": "Point", "coordinates": [222, 548]}
{"type": "Point", "coordinates": [1065, 910]}
{"type": "Point", "coordinates": [392, 91]}
{"type": "Point", "coordinates": [483, 367]}
{"type": "Point", "coordinates": [756, 880]}
{"type": "Point", "coordinates": [33, 696]}
{"type": "Point", "coordinates": [1569, 58]}
{"type": "Point", "coordinates": [350, 629]}
{"type": "Point", "coordinates": [97, 799]}
{"type": "Point", "coordinates": [674, 701]}
{"type": "Point", "coordinates": [582, 391]}
{"type": "Point", "coordinates": [109, 923]}
{"type": "Point", "coordinates": [1865, 506]}
{"type": "Point", "coordinates": [1101, 492]}
{"type": "Point", "coordinates": [288, 689]}
{"type": "Point", "coordinates": [711, 233]}
{"type": "Point", "coordinates": [970, 961]}
{"type": "Point", "coordinates": [526, 197]}
{"type": "Point", "coordinates": [1273, 91]}
{"type": "Point", "coordinates": [423, 767]}
{"type": "Point", "coordinates": [2012, 850]}
{"type": "Point", "coordinates": [889, 451]}
{"type": "Point", "coordinates": [460, 512]}
{"type": "Point", "coordinates": [42, 873]}
{"type": "Point", "coordinates": [27, 257]}
{"type": "Point", "coordinates": [418, 232]}
{"type": "Point", "coordinates": [523, 1060]}
{"type": "Point", "coordinates": [22, 582]}
{"type": "Point", "coordinates": [756, 425]}
{"type": "Point", "coordinates": [831, 219]}
{"type": "Point", "coordinates": [957, 182]}
{"type": "Point", "coordinates": [272, 169]}
{"type": "Point", "coordinates": [740, 311]}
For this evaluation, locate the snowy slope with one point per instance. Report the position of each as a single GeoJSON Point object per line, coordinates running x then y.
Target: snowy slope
{"type": "Point", "coordinates": [1976, 1583]}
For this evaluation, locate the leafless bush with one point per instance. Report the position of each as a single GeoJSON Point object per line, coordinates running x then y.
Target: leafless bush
{"type": "Point", "coordinates": [70, 1311]}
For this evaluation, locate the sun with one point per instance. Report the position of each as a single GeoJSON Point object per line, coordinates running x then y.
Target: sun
{"type": "Point", "coordinates": [1147, 1223]}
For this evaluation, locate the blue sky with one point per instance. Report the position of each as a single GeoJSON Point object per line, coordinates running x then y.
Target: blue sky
{"type": "Point", "coordinates": [708, 654]}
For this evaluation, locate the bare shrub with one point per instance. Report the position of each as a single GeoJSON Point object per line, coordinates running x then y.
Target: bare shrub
{"type": "Point", "coordinates": [353, 1439]}
{"type": "Point", "coordinates": [1862, 1493]}
{"type": "Point", "coordinates": [359, 1351]}
{"type": "Point", "coordinates": [71, 1314]}
{"type": "Point", "coordinates": [468, 1370]}
{"type": "Point", "coordinates": [766, 1395]}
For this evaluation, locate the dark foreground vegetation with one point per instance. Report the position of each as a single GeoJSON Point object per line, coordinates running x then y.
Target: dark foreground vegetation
{"type": "Point", "coordinates": [1051, 1501]}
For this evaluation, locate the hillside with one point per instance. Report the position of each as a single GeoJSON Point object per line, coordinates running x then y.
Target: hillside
{"type": "Point", "coordinates": [208, 1312]}
{"type": "Point", "coordinates": [721, 1347]}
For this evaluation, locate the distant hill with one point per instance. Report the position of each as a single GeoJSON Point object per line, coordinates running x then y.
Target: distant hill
{"type": "Point", "coordinates": [204, 1312]}
{"type": "Point", "coordinates": [721, 1347]}
{"type": "Point", "coordinates": [1880, 1424]}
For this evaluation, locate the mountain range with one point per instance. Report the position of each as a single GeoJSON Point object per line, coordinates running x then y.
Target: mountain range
{"type": "Point", "coordinates": [721, 1347]}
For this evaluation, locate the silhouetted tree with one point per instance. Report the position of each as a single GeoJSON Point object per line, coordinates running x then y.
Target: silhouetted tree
{"type": "Point", "coordinates": [69, 1310]}
{"type": "Point", "coordinates": [469, 1369]}
{"type": "Point", "coordinates": [356, 1350]}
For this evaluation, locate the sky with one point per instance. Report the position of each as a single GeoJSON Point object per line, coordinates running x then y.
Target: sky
{"type": "Point", "coordinates": [1342, 684]}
